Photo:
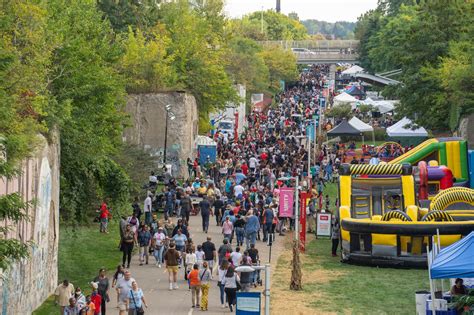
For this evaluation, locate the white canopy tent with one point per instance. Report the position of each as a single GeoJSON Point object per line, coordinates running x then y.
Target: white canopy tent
{"type": "Point", "coordinates": [369, 101]}
{"type": "Point", "coordinates": [353, 70]}
{"type": "Point", "coordinates": [345, 98]}
{"type": "Point", "coordinates": [385, 106]}
{"type": "Point", "coordinates": [400, 130]}
{"type": "Point", "coordinates": [362, 126]}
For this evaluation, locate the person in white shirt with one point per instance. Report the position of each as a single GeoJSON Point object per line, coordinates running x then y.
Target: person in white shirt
{"type": "Point", "coordinates": [147, 209]}
{"type": "Point", "coordinates": [152, 179]}
{"type": "Point", "coordinates": [253, 164]}
{"type": "Point", "coordinates": [199, 256]}
{"type": "Point", "coordinates": [238, 190]}
{"type": "Point", "coordinates": [189, 261]}
{"type": "Point", "coordinates": [159, 239]}
{"type": "Point", "coordinates": [236, 256]}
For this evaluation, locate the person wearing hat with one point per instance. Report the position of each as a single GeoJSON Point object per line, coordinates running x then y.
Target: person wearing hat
{"type": "Point", "coordinates": [96, 298]}
{"type": "Point", "coordinates": [158, 244]}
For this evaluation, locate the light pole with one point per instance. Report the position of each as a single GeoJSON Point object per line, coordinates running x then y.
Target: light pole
{"type": "Point", "coordinates": [171, 116]}
{"type": "Point", "coordinates": [295, 283]}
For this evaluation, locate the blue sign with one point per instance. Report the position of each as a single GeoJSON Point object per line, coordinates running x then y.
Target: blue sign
{"type": "Point", "coordinates": [322, 102]}
{"type": "Point", "coordinates": [310, 132]}
{"type": "Point", "coordinates": [248, 303]}
{"type": "Point", "coordinates": [206, 151]}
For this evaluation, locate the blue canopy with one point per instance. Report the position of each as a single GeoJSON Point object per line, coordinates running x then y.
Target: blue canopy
{"type": "Point", "coordinates": [455, 261]}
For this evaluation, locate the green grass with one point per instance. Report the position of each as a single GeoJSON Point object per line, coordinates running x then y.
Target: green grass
{"type": "Point", "coordinates": [332, 286]}
{"type": "Point", "coordinates": [82, 252]}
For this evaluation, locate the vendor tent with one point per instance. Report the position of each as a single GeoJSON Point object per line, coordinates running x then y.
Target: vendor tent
{"type": "Point", "coordinates": [360, 125]}
{"type": "Point", "coordinates": [400, 129]}
{"type": "Point", "coordinates": [345, 98]}
{"type": "Point", "coordinates": [344, 129]}
{"type": "Point", "coordinates": [455, 261]}
{"type": "Point", "coordinates": [403, 133]}
{"type": "Point", "coordinates": [369, 101]}
{"type": "Point", "coordinates": [355, 91]}
{"type": "Point", "coordinates": [385, 106]}
{"type": "Point", "coordinates": [353, 70]}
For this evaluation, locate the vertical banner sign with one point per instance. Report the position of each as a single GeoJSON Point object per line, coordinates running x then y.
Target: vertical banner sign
{"type": "Point", "coordinates": [322, 102]}
{"type": "Point", "coordinates": [323, 225]}
{"type": "Point", "coordinates": [286, 202]}
{"type": "Point", "coordinates": [236, 127]}
{"type": "Point", "coordinates": [310, 132]}
{"type": "Point", "coordinates": [304, 198]}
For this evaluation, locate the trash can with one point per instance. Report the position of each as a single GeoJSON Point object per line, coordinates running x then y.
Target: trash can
{"type": "Point", "coordinates": [421, 297]}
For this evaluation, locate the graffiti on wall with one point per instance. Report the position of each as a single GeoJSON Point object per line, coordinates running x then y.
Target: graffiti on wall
{"type": "Point", "coordinates": [172, 156]}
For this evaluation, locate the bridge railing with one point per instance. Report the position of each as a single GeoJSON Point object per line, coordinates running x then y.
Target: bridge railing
{"type": "Point", "coordinates": [330, 56]}
{"type": "Point", "coordinates": [314, 44]}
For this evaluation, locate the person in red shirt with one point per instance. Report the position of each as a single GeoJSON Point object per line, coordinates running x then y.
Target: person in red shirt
{"type": "Point", "coordinates": [96, 298]}
{"type": "Point", "coordinates": [245, 168]}
{"type": "Point", "coordinates": [236, 209]}
{"type": "Point", "coordinates": [104, 218]}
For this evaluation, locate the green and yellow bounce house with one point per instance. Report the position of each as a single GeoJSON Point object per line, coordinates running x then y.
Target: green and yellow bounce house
{"type": "Point", "coordinates": [383, 221]}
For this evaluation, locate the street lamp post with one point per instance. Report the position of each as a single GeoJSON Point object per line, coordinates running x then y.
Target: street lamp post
{"type": "Point", "coordinates": [171, 116]}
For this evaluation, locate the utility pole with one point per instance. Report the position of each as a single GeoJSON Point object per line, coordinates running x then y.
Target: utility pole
{"type": "Point", "coordinates": [278, 6]}
{"type": "Point", "coordinates": [261, 21]}
{"type": "Point", "coordinates": [166, 139]}
{"type": "Point", "coordinates": [169, 114]}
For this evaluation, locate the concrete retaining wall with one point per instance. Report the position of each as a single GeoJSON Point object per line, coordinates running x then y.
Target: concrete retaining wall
{"type": "Point", "coordinates": [466, 130]}
{"type": "Point", "coordinates": [148, 116]}
{"type": "Point", "coordinates": [28, 283]}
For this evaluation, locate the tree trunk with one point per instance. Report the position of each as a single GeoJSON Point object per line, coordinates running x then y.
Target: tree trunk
{"type": "Point", "coordinates": [296, 268]}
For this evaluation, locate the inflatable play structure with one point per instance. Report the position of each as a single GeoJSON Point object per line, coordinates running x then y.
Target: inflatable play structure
{"type": "Point", "coordinates": [388, 212]}
{"type": "Point", "coordinates": [450, 152]}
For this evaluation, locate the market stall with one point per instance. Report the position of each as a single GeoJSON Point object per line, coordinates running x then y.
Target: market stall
{"type": "Point", "coordinates": [362, 127]}
{"type": "Point", "coordinates": [401, 131]}
{"type": "Point", "coordinates": [454, 261]}
{"type": "Point", "coordinates": [345, 98]}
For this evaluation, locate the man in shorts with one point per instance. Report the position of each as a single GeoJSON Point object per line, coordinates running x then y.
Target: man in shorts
{"type": "Point", "coordinates": [210, 255]}
{"type": "Point", "coordinates": [171, 262]}
{"type": "Point", "coordinates": [123, 288]}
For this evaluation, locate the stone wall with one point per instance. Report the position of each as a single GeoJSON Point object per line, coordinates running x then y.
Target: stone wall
{"type": "Point", "coordinates": [28, 283]}
{"type": "Point", "coordinates": [466, 130]}
{"type": "Point", "coordinates": [148, 117]}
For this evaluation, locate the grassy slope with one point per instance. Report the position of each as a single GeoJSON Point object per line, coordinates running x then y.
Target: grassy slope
{"type": "Point", "coordinates": [81, 253]}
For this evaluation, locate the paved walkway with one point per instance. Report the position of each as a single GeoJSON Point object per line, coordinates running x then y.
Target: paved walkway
{"type": "Point", "coordinates": [154, 281]}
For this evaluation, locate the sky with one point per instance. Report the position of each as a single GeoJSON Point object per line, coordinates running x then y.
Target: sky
{"type": "Point", "coordinates": [324, 10]}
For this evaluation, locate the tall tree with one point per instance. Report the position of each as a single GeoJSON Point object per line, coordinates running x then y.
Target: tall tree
{"type": "Point", "coordinates": [87, 82]}
{"type": "Point", "coordinates": [415, 39]}
{"type": "Point", "coordinates": [24, 107]}
{"type": "Point", "coordinates": [198, 55]}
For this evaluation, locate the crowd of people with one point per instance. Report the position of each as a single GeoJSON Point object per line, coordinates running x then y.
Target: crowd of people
{"type": "Point", "coordinates": [240, 190]}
